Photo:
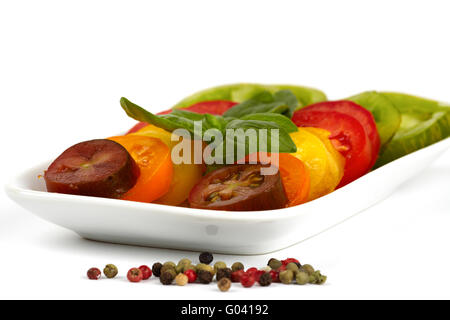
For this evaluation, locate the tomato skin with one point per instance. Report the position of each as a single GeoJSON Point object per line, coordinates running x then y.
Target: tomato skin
{"type": "Point", "coordinates": [347, 135]}
{"type": "Point", "coordinates": [361, 114]}
{"type": "Point", "coordinates": [215, 107]}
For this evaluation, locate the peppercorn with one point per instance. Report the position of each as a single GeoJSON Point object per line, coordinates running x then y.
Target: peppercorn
{"type": "Point", "coordinates": [188, 267]}
{"type": "Point", "coordinates": [94, 274]}
{"type": "Point", "coordinates": [204, 276]}
{"type": "Point", "coordinates": [224, 284]}
{"type": "Point", "coordinates": [179, 269]}
{"type": "Point", "coordinates": [206, 257]}
{"type": "Point", "coordinates": [266, 269]}
{"type": "Point", "coordinates": [286, 276]}
{"type": "Point", "coordinates": [192, 276]}
{"type": "Point", "coordinates": [110, 271]}
{"type": "Point", "coordinates": [205, 267]}
{"type": "Point", "coordinates": [146, 272]}
{"type": "Point", "coordinates": [169, 263]}
{"type": "Point", "coordinates": [156, 269]}
{"type": "Point", "coordinates": [167, 277]}
{"type": "Point", "coordinates": [265, 280]}
{"type": "Point", "coordinates": [308, 269]}
{"type": "Point", "coordinates": [181, 279]}
{"type": "Point", "coordinates": [134, 275]}
{"type": "Point", "coordinates": [237, 266]}
{"type": "Point", "coordinates": [302, 278]}
{"type": "Point", "coordinates": [274, 263]}
{"type": "Point", "coordinates": [219, 265]}
{"type": "Point", "coordinates": [292, 266]}
{"type": "Point", "coordinates": [317, 278]}
{"type": "Point", "coordinates": [223, 273]}
{"type": "Point", "coordinates": [184, 261]}
{"type": "Point", "coordinates": [236, 275]}
{"type": "Point", "coordinates": [168, 267]}
{"type": "Point", "coordinates": [247, 280]}
{"type": "Point", "coordinates": [289, 260]}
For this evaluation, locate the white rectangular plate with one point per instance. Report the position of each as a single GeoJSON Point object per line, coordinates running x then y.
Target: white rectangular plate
{"type": "Point", "coordinates": [257, 232]}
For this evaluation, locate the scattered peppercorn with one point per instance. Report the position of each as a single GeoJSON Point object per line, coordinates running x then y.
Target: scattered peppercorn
{"type": "Point", "coordinates": [94, 274]}
{"type": "Point", "coordinates": [265, 280]}
{"type": "Point", "coordinates": [274, 263]}
{"type": "Point", "coordinates": [247, 280]}
{"type": "Point", "coordinates": [169, 264]}
{"type": "Point", "coordinates": [219, 265]}
{"type": "Point", "coordinates": [110, 271]}
{"type": "Point", "coordinates": [236, 275]}
{"type": "Point", "coordinates": [134, 275]}
{"type": "Point", "coordinates": [204, 276]}
{"type": "Point", "coordinates": [156, 269]}
{"type": "Point", "coordinates": [223, 273]}
{"type": "Point", "coordinates": [167, 277]}
{"type": "Point", "coordinates": [181, 279]}
{"type": "Point", "coordinates": [206, 257]}
{"type": "Point", "coordinates": [317, 278]}
{"type": "Point", "coordinates": [292, 266]}
{"type": "Point", "coordinates": [275, 275]}
{"type": "Point", "coordinates": [302, 278]}
{"type": "Point", "coordinates": [146, 272]}
{"type": "Point", "coordinates": [308, 269]}
{"type": "Point", "coordinates": [192, 276]}
{"type": "Point", "coordinates": [286, 276]}
{"type": "Point", "coordinates": [237, 266]}
{"type": "Point", "coordinates": [224, 284]}
{"type": "Point", "coordinates": [188, 267]}
{"type": "Point", "coordinates": [184, 261]}
{"type": "Point", "coordinates": [168, 267]}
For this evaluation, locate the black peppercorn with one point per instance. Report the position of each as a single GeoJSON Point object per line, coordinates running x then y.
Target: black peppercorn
{"type": "Point", "coordinates": [223, 273]}
{"type": "Point", "coordinates": [204, 277]}
{"type": "Point", "coordinates": [156, 269]}
{"type": "Point", "coordinates": [265, 280]}
{"type": "Point", "coordinates": [167, 278]}
{"type": "Point", "coordinates": [206, 257]}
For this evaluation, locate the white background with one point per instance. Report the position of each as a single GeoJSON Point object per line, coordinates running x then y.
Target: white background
{"type": "Point", "coordinates": [64, 65]}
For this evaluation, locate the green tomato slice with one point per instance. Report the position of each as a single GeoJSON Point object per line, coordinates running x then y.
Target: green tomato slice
{"type": "Point", "coordinates": [240, 92]}
{"type": "Point", "coordinates": [423, 122]}
{"type": "Point", "coordinates": [387, 117]}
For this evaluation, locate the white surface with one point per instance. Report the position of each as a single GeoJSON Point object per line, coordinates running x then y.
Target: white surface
{"type": "Point", "coordinates": [256, 232]}
{"type": "Point", "coordinates": [64, 67]}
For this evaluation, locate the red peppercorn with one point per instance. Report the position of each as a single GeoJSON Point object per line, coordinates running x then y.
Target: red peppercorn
{"type": "Point", "coordinates": [289, 260]}
{"type": "Point", "coordinates": [191, 274]}
{"type": "Point", "coordinates": [94, 273]}
{"type": "Point", "coordinates": [258, 274]}
{"type": "Point", "coordinates": [252, 270]}
{"type": "Point", "coordinates": [236, 276]}
{"type": "Point", "coordinates": [275, 275]}
{"type": "Point", "coordinates": [134, 275]}
{"type": "Point", "coordinates": [146, 272]}
{"type": "Point", "coordinates": [247, 280]}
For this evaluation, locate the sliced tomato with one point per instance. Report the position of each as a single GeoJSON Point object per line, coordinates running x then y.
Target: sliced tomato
{"type": "Point", "coordinates": [347, 135]}
{"type": "Point", "coordinates": [215, 107]}
{"type": "Point", "coordinates": [361, 114]}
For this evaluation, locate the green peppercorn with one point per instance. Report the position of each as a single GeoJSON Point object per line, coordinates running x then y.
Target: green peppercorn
{"type": "Point", "coordinates": [237, 266]}
{"type": "Point", "coordinates": [219, 265]}
{"type": "Point", "coordinates": [167, 277]}
{"type": "Point", "coordinates": [179, 269]}
{"type": "Point", "coordinates": [110, 271]}
{"type": "Point", "coordinates": [204, 276]}
{"type": "Point", "coordinates": [184, 261]}
{"type": "Point", "coordinates": [265, 280]}
{"type": "Point", "coordinates": [302, 278]}
{"type": "Point", "coordinates": [286, 276]}
{"type": "Point", "coordinates": [206, 257]}
{"type": "Point", "coordinates": [274, 263]}
{"type": "Point", "coordinates": [307, 268]}
{"type": "Point", "coordinates": [223, 273]}
{"type": "Point", "coordinates": [169, 263]}
{"type": "Point", "coordinates": [205, 267]}
{"type": "Point", "coordinates": [317, 278]}
{"type": "Point", "coordinates": [168, 267]}
{"type": "Point", "coordinates": [188, 267]}
{"type": "Point", "coordinates": [292, 266]}
{"type": "Point", "coordinates": [224, 284]}
{"type": "Point", "coordinates": [156, 269]}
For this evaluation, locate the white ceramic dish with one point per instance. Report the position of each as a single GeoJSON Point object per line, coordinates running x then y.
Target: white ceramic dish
{"type": "Point", "coordinates": [258, 232]}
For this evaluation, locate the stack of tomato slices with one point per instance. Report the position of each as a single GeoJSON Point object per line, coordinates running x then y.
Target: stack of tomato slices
{"type": "Point", "coordinates": [337, 143]}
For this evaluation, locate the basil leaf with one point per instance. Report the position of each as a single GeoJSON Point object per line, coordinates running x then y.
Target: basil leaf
{"type": "Point", "coordinates": [280, 120]}
{"type": "Point", "coordinates": [283, 102]}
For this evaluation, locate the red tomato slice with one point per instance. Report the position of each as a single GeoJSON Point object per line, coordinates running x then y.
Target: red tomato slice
{"type": "Point", "coordinates": [215, 107]}
{"type": "Point", "coordinates": [364, 117]}
{"type": "Point", "coordinates": [347, 135]}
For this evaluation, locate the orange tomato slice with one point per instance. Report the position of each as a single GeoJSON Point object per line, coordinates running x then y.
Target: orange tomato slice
{"type": "Point", "coordinates": [156, 170]}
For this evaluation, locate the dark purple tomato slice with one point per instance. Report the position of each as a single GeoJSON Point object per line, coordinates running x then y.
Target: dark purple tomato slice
{"type": "Point", "coordinates": [239, 188]}
{"type": "Point", "coordinates": [98, 168]}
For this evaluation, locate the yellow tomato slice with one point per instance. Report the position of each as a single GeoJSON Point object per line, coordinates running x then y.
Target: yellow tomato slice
{"type": "Point", "coordinates": [185, 176]}
{"type": "Point", "coordinates": [323, 167]}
